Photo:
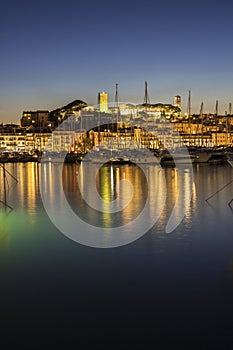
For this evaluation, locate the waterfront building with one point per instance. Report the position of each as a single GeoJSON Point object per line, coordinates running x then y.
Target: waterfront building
{"type": "Point", "coordinates": [146, 138]}
{"type": "Point", "coordinates": [42, 140]}
{"type": "Point", "coordinates": [190, 128]}
{"type": "Point", "coordinates": [64, 140]}
{"type": "Point", "coordinates": [222, 139]}
{"type": "Point", "coordinates": [130, 138]}
{"type": "Point", "coordinates": [12, 142]}
{"type": "Point", "coordinates": [84, 126]}
{"type": "Point", "coordinates": [197, 140]}
{"type": "Point", "coordinates": [23, 141]}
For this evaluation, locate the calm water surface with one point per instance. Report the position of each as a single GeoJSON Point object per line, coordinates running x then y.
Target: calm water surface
{"type": "Point", "coordinates": [168, 290]}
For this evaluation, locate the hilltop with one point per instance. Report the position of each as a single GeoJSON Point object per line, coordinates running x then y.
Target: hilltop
{"type": "Point", "coordinates": [58, 115]}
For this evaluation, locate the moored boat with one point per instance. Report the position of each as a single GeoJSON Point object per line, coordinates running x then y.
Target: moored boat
{"type": "Point", "coordinates": [119, 160]}
{"type": "Point", "coordinates": [176, 158]}
{"type": "Point", "coordinates": [202, 155]}
{"type": "Point", "coordinates": [4, 157]}
{"type": "Point", "coordinates": [217, 158]}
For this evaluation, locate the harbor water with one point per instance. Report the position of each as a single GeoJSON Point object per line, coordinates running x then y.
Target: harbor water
{"type": "Point", "coordinates": [166, 289]}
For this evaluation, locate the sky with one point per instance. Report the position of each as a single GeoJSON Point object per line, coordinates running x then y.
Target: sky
{"type": "Point", "coordinates": [53, 52]}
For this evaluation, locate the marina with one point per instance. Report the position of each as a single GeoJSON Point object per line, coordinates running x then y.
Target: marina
{"type": "Point", "coordinates": [116, 175]}
{"type": "Point", "coordinates": [124, 156]}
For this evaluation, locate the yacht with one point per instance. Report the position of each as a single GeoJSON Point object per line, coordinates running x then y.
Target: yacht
{"type": "Point", "coordinates": [176, 157]}
{"type": "Point", "coordinates": [217, 157]}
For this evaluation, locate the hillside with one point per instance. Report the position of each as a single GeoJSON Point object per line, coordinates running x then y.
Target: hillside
{"type": "Point", "coordinates": [58, 115]}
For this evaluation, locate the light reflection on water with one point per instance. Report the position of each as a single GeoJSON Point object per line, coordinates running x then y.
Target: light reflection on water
{"type": "Point", "coordinates": [201, 221]}
{"type": "Point", "coordinates": [24, 197]}
{"type": "Point", "coordinates": [181, 282]}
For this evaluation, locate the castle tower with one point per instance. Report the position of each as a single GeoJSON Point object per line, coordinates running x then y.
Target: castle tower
{"type": "Point", "coordinates": [177, 101]}
{"type": "Point", "coordinates": [103, 101]}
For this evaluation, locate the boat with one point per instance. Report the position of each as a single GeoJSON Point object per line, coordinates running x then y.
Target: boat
{"type": "Point", "coordinates": [203, 155]}
{"type": "Point", "coordinates": [35, 157]}
{"type": "Point", "coordinates": [143, 160]}
{"type": "Point", "coordinates": [176, 158]}
{"type": "Point", "coordinates": [118, 160]}
{"type": "Point", "coordinates": [24, 157]}
{"type": "Point", "coordinates": [210, 155]}
{"type": "Point", "coordinates": [4, 158]}
{"type": "Point", "coordinates": [142, 156]}
{"type": "Point", "coordinates": [217, 158]}
{"type": "Point", "coordinates": [53, 157]}
{"type": "Point", "coordinates": [14, 157]}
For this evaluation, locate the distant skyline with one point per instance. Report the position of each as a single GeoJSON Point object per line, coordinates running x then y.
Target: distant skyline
{"type": "Point", "coordinates": [55, 52]}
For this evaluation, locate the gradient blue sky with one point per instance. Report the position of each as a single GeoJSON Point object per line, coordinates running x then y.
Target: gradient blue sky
{"type": "Point", "coordinates": [54, 52]}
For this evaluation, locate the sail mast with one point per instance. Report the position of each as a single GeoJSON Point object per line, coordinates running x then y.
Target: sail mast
{"type": "Point", "coordinates": [117, 104]}
{"type": "Point", "coordinates": [229, 126]}
{"type": "Point", "coordinates": [216, 119]}
{"type": "Point", "coordinates": [146, 101]}
{"type": "Point", "coordinates": [202, 122]}
{"type": "Point", "coordinates": [146, 96]}
{"type": "Point", "coordinates": [189, 116]}
{"type": "Point", "coordinates": [4, 185]}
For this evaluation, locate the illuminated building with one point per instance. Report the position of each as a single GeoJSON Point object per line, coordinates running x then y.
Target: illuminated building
{"type": "Point", "coordinates": [103, 102]}
{"type": "Point", "coordinates": [177, 101]}
{"type": "Point", "coordinates": [23, 142]}
{"type": "Point", "coordinates": [37, 119]}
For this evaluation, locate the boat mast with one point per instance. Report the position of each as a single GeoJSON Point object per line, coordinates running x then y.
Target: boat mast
{"type": "Point", "coordinates": [81, 120]}
{"type": "Point", "coordinates": [146, 101]}
{"type": "Point", "coordinates": [216, 120]}
{"type": "Point", "coordinates": [202, 123]}
{"type": "Point", "coordinates": [117, 104]}
{"type": "Point", "coordinates": [229, 126]}
{"type": "Point", "coordinates": [146, 96]}
{"type": "Point", "coordinates": [4, 185]}
{"type": "Point", "coordinates": [189, 116]}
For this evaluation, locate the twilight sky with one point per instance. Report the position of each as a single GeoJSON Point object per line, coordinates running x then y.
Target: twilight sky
{"type": "Point", "coordinates": [53, 52]}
